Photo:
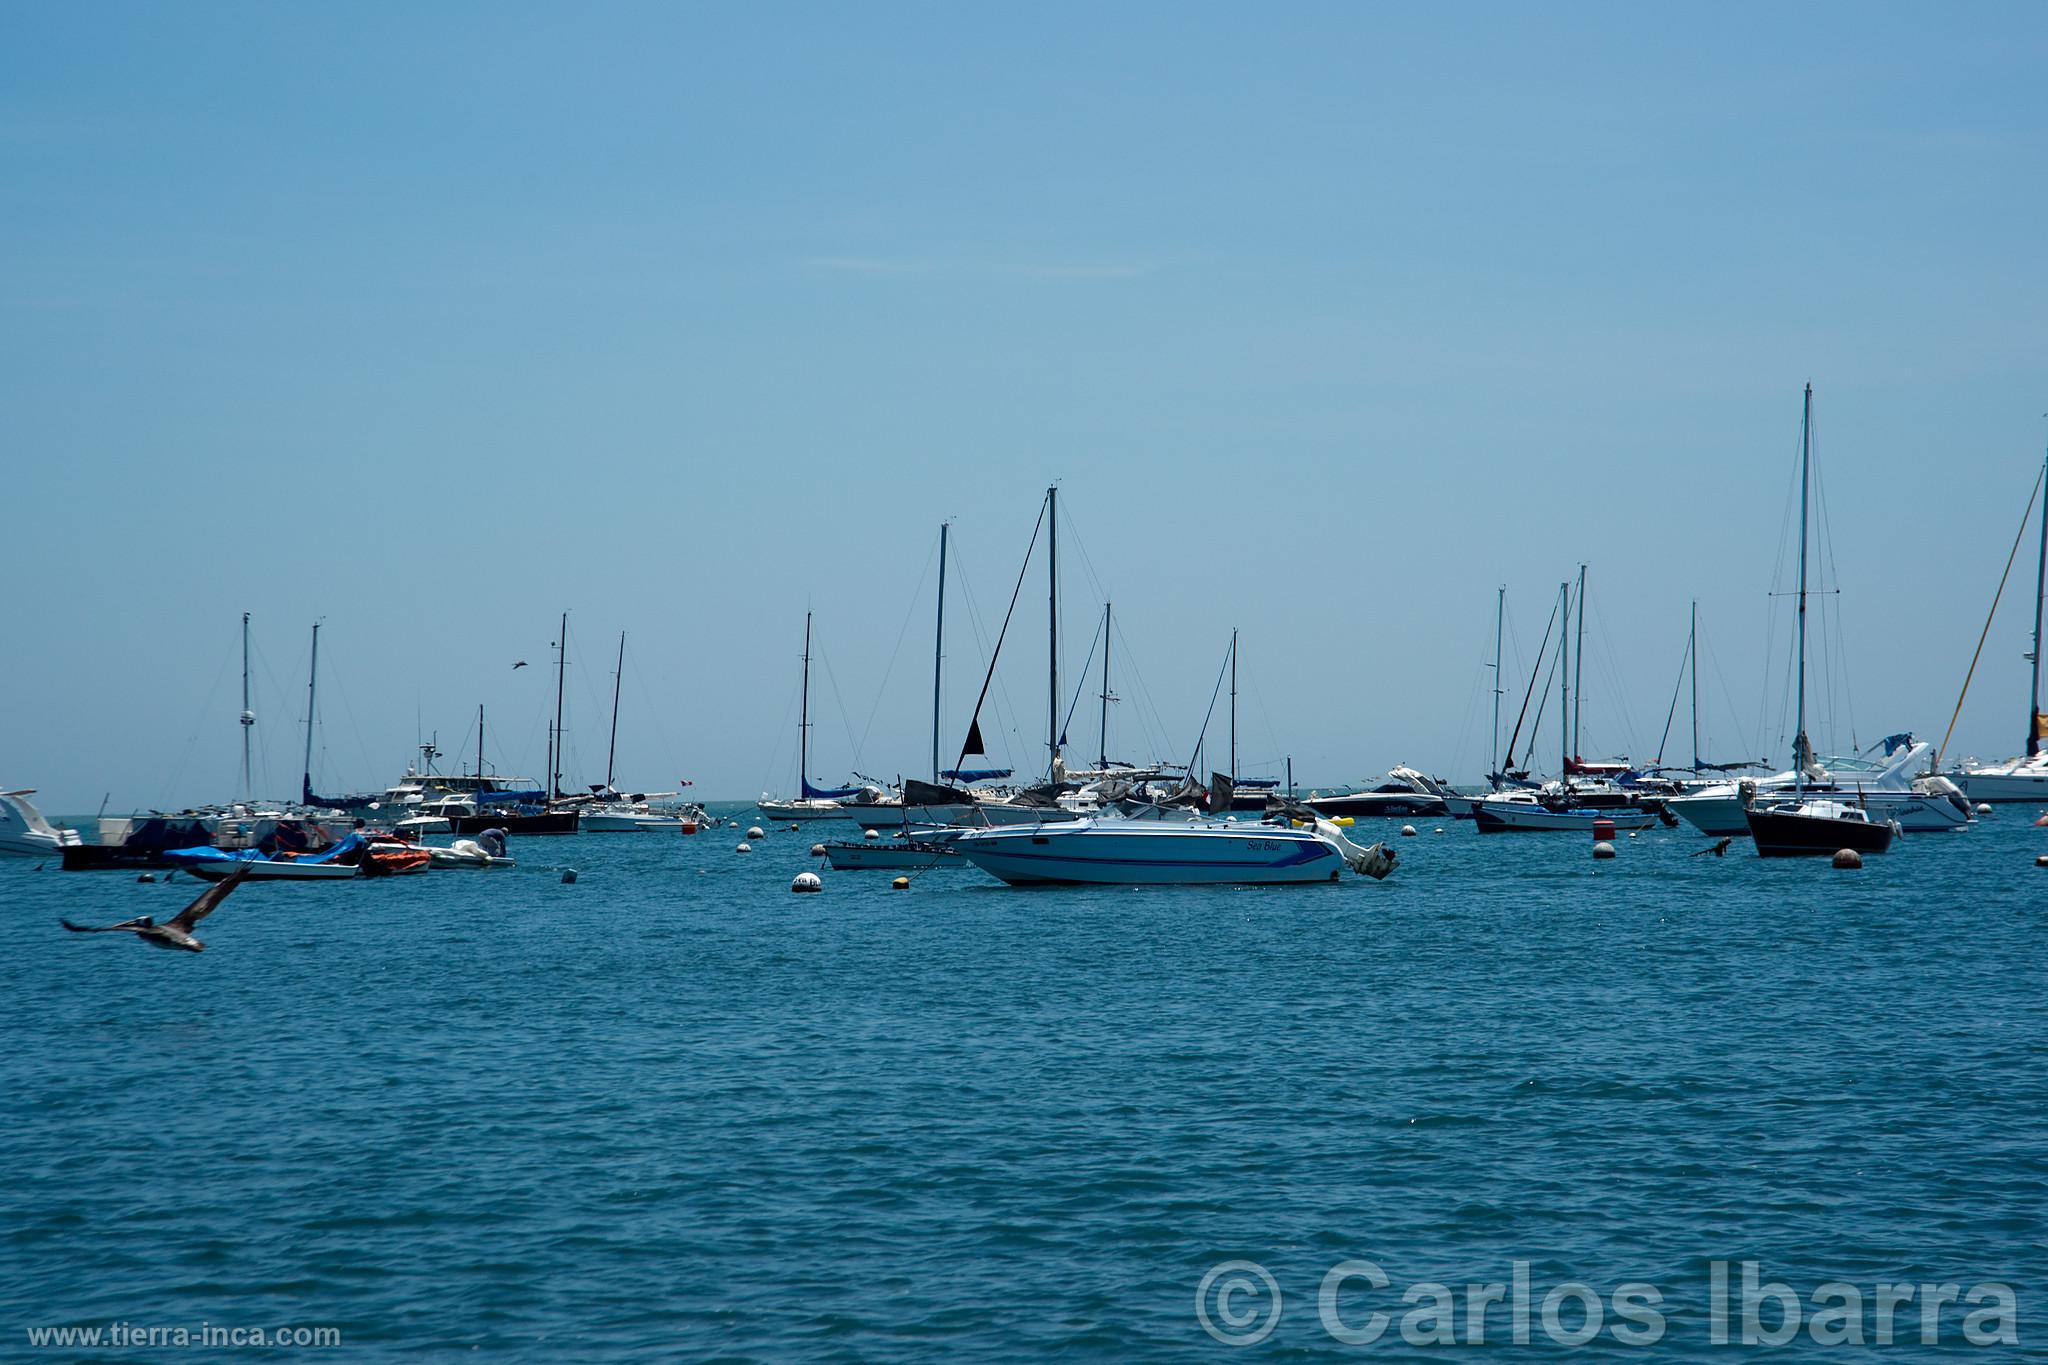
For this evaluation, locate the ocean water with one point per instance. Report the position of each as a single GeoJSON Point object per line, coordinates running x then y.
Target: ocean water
{"type": "Point", "coordinates": [672, 1111]}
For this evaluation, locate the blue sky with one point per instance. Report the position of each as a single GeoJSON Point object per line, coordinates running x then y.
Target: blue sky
{"type": "Point", "coordinates": [433, 321]}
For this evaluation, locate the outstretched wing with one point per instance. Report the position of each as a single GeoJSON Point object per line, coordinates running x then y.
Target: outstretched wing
{"type": "Point", "coordinates": [125, 926]}
{"type": "Point", "coordinates": [210, 899]}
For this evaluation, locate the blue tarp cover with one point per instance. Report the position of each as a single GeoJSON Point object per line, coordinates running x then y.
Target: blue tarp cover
{"type": "Point", "coordinates": [975, 774]}
{"type": "Point", "coordinates": [252, 855]}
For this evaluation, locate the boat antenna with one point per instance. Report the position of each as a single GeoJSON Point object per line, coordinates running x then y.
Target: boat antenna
{"type": "Point", "coordinates": [612, 752]}
{"type": "Point", "coordinates": [1102, 758]}
{"type": "Point", "coordinates": [1564, 686]}
{"type": "Point", "coordinates": [2033, 729]}
{"type": "Point", "coordinates": [1579, 666]}
{"type": "Point", "coordinates": [1801, 746]}
{"type": "Point", "coordinates": [1052, 563]}
{"type": "Point", "coordinates": [1500, 610]}
{"type": "Point", "coordinates": [939, 651]}
{"type": "Point", "coordinates": [248, 716]}
{"type": "Point", "coordinates": [972, 741]}
{"type": "Point", "coordinates": [561, 672]}
{"type": "Point", "coordinates": [1530, 694]}
{"type": "Point", "coordinates": [312, 677]}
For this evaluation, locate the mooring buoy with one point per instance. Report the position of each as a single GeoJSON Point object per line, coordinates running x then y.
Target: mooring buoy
{"type": "Point", "coordinates": [757, 833]}
{"type": "Point", "coordinates": [1603, 849]}
{"type": "Point", "coordinates": [744, 847]}
{"type": "Point", "coordinates": [568, 876]}
{"type": "Point", "coordinates": [807, 881]}
{"type": "Point", "coordinates": [1848, 859]}
{"type": "Point", "coordinates": [1407, 831]}
{"type": "Point", "coordinates": [817, 850]}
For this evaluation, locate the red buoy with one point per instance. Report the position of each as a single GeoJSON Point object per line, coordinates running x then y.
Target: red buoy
{"type": "Point", "coordinates": [1603, 830]}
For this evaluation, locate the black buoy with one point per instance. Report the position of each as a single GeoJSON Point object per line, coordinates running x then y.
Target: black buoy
{"type": "Point", "coordinates": [1848, 859]}
{"type": "Point", "coordinates": [568, 876]}
{"type": "Point", "coordinates": [146, 877]}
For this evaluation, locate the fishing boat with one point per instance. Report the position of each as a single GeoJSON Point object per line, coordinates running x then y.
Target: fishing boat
{"type": "Point", "coordinates": [487, 850]}
{"type": "Point", "coordinates": [1808, 824]}
{"type": "Point", "coordinates": [2024, 778]}
{"type": "Point", "coordinates": [1169, 852]}
{"type": "Point", "coordinates": [24, 831]}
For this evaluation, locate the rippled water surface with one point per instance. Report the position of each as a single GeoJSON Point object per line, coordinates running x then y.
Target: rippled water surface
{"type": "Point", "coordinates": [672, 1110]}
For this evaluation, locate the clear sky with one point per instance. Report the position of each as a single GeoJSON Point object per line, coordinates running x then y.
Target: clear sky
{"type": "Point", "coordinates": [434, 320]}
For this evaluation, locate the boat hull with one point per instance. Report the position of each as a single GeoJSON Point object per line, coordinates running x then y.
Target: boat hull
{"type": "Point", "coordinates": [222, 869]}
{"type": "Point", "coordinates": [1515, 817]}
{"type": "Point", "coordinates": [1784, 834]}
{"type": "Point", "coordinates": [547, 822]}
{"type": "Point", "coordinates": [1151, 853]}
{"type": "Point", "coordinates": [2027, 784]}
{"type": "Point", "coordinates": [1721, 815]}
{"type": "Point", "coordinates": [889, 855]}
{"type": "Point", "coordinates": [1367, 805]}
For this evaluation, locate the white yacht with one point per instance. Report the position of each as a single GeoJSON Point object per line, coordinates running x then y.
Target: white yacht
{"type": "Point", "coordinates": [1895, 786]}
{"type": "Point", "coordinates": [1169, 852]}
{"type": "Point", "coordinates": [23, 829]}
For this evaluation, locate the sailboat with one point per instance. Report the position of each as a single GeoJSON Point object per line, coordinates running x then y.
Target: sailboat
{"type": "Point", "coordinates": [2024, 778]}
{"type": "Point", "coordinates": [360, 802]}
{"type": "Point", "coordinates": [526, 811]}
{"type": "Point", "coordinates": [1811, 824]}
{"type": "Point", "coordinates": [1565, 804]}
{"type": "Point", "coordinates": [813, 802]}
{"type": "Point", "coordinates": [611, 811]}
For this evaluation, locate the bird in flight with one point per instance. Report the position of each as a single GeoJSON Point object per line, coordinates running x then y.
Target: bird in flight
{"type": "Point", "coordinates": [521, 664]}
{"type": "Point", "coordinates": [1719, 850]}
{"type": "Point", "coordinates": [177, 933]}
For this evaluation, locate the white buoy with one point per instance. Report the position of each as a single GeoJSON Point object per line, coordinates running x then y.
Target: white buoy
{"type": "Point", "coordinates": [872, 834]}
{"type": "Point", "coordinates": [1983, 808]}
{"type": "Point", "coordinates": [1848, 859]}
{"type": "Point", "coordinates": [757, 833]}
{"type": "Point", "coordinates": [1632, 834]}
{"type": "Point", "coordinates": [1438, 830]}
{"type": "Point", "coordinates": [792, 827]}
{"type": "Point", "coordinates": [1603, 849]}
{"type": "Point", "coordinates": [744, 847]}
{"type": "Point", "coordinates": [901, 884]}
{"type": "Point", "coordinates": [817, 850]}
{"type": "Point", "coordinates": [1407, 831]}
{"type": "Point", "coordinates": [807, 881]}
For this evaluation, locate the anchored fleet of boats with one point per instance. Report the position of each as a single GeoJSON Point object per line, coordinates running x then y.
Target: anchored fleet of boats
{"type": "Point", "coordinates": [1113, 822]}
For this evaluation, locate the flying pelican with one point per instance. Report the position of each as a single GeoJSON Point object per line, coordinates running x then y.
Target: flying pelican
{"type": "Point", "coordinates": [178, 932]}
{"type": "Point", "coordinates": [1719, 850]}
{"type": "Point", "coordinates": [521, 664]}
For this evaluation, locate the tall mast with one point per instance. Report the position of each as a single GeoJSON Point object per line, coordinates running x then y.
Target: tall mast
{"type": "Point", "coordinates": [1102, 759]}
{"type": "Point", "coordinates": [1500, 611]}
{"type": "Point", "coordinates": [312, 678]}
{"type": "Point", "coordinates": [1052, 559]}
{"type": "Point", "coordinates": [248, 716]}
{"type": "Point", "coordinates": [479, 746]}
{"type": "Point", "coordinates": [1233, 703]}
{"type": "Point", "coordinates": [1800, 745]}
{"type": "Point", "coordinates": [803, 721]}
{"type": "Point", "coordinates": [939, 651]}
{"type": "Point", "coordinates": [1579, 668]}
{"type": "Point", "coordinates": [561, 672]}
{"type": "Point", "coordinates": [2040, 574]}
{"type": "Point", "coordinates": [1692, 648]}
{"type": "Point", "coordinates": [612, 753]}
{"type": "Point", "coordinates": [1564, 686]}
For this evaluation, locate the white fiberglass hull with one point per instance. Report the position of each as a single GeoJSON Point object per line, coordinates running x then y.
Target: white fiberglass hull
{"type": "Point", "coordinates": [2017, 781]}
{"type": "Point", "coordinates": [1494, 817]}
{"type": "Point", "coordinates": [605, 822]}
{"type": "Point", "coordinates": [224, 868]}
{"type": "Point", "coordinates": [1152, 853]}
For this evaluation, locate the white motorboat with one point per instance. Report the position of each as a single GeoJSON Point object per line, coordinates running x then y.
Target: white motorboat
{"type": "Point", "coordinates": [1169, 852]}
{"type": "Point", "coordinates": [635, 817]}
{"type": "Point", "coordinates": [2017, 779]}
{"type": "Point", "coordinates": [23, 829]}
{"type": "Point", "coordinates": [481, 852]}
